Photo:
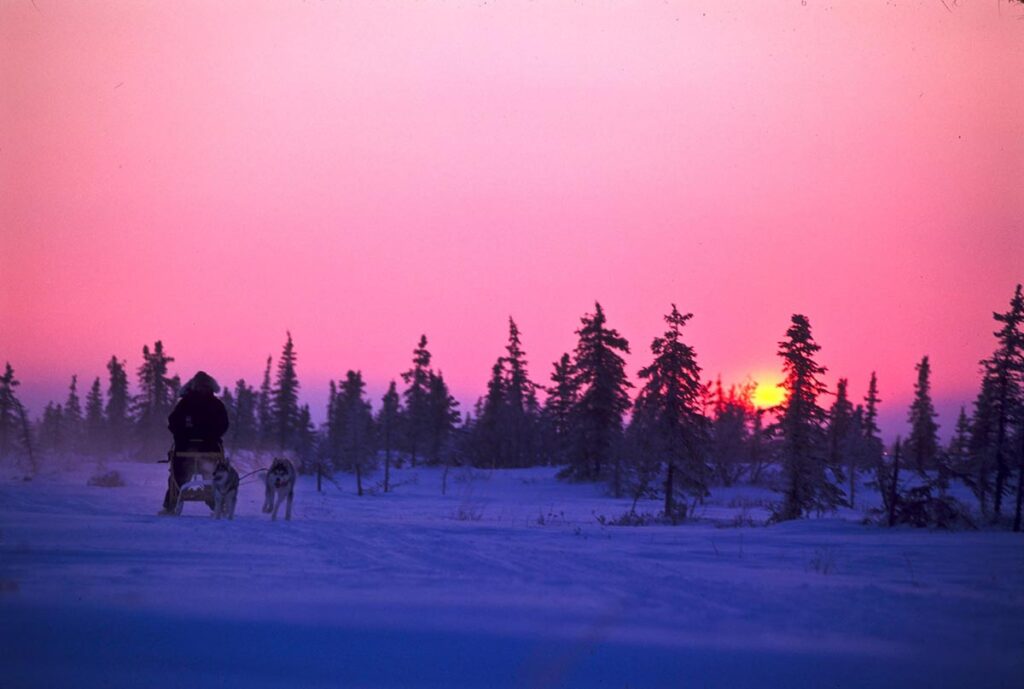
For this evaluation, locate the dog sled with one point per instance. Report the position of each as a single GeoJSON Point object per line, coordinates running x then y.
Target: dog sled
{"type": "Point", "coordinates": [191, 476]}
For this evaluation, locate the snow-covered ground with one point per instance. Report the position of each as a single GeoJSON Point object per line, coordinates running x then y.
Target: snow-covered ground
{"type": "Point", "coordinates": [508, 581]}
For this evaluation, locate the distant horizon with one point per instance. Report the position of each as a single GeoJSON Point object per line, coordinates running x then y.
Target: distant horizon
{"type": "Point", "coordinates": [891, 420]}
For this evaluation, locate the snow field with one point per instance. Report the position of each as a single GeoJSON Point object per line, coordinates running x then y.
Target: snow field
{"type": "Point", "coordinates": [509, 580]}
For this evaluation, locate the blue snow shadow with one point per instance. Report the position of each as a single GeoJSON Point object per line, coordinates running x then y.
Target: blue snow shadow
{"type": "Point", "coordinates": [90, 647]}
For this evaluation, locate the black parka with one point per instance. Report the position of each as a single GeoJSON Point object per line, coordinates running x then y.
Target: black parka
{"type": "Point", "coordinates": [198, 416]}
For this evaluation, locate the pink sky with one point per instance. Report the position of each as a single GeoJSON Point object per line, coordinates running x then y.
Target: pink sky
{"type": "Point", "coordinates": [214, 173]}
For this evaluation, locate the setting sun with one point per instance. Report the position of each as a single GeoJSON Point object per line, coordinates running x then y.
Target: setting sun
{"type": "Point", "coordinates": [767, 395]}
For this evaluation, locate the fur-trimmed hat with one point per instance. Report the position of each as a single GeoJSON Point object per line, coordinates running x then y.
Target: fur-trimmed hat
{"type": "Point", "coordinates": [201, 382]}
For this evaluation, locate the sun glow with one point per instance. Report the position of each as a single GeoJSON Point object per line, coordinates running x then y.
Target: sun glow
{"type": "Point", "coordinates": [767, 395]}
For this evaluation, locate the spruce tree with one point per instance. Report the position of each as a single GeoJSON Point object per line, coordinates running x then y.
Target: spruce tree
{"type": "Point", "coordinates": [804, 452]}
{"type": "Point", "coordinates": [520, 389]}
{"type": "Point", "coordinates": [305, 437]}
{"type": "Point", "coordinates": [244, 427]}
{"type": "Point", "coordinates": [520, 401]}
{"type": "Point", "coordinates": [873, 447]}
{"type": "Point", "coordinates": [871, 401]}
{"type": "Point", "coordinates": [443, 419]}
{"type": "Point", "coordinates": [15, 428]}
{"type": "Point", "coordinates": [861, 452]}
{"type": "Point", "coordinates": [73, 420]}
{"type": "Point", "coordinates": [353, 426]}
{"type": "Point", "coordinates": [840, 449]}
{"type": "Point", "coordinates": [922, 446]}
{"type": "Point", "coordinates": [51, 429]}
{"type": "Point", "coordinates": [387, 423]}
{"type": "Point", "coordinates": [957, 454]}
{"type": "Point", "coordinates": [95, 425]}
{"type": "Point", "coordinates": [759, 445]}
{"type": "Point", "coordinates": [331, 450]}
{"type": "Point", "coordinates": [562, 396]}
{"type": "Point", "coordinates": [155, 400]}
{"type": "Point", "coordinates": [672, 429]}
{"type": "Point", "coordinates": [980, 444]}
{"type": "Point", "coordinates": [729, 434]}
{"type": "Point", "coordinates": [9, 420]}
{"type": "Point", "coordinates": [285, 398]}
{"type": "Point", "coordinates": [227, 398]}
{"type": "Point", "coordinates": [118, 405]}
{"type": "Point", "coordinates": [1006, 368]}
{"type": "Point", "coordinates": [493, 424]}
{"type": "Point", "coordinates": [417, 404]}
{"type": "Point", "coordinates": [959, 444]}
{"type": "Point", "coordinates": [265, 409]}
{"type": "Point", "coordinates": [443, 416]}
{"type": "Point", "coordinates": [891, 490]}
{"type": "Point", "coordinates": [27, 443]}
{"type": "Point", "coordinates": [840, 415]}
{"type": "Point", "coordinates": [603, 400]}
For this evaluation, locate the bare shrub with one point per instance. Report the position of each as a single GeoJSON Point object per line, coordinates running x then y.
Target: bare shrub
{"type": "Point", "coordinates": [468, 512]}
{"type": "Point", "coordinates": [106, 479]}
{"type": "Point", "coordinates": [552, 518]}
{"type": "Point", "coordinates": [823, 560]}
{"type": "Point", "coordinates": [631, 518]}
{"type": "Point", "coordinates": [746, 503]}
{"type": "Point", "coordinates": [741, 519]}
{"type": "Point", "coordinates": [469, 475]}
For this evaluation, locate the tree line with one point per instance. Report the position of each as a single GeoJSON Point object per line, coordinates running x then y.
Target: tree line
{"type": "Point", "coordinates": [678, 437]}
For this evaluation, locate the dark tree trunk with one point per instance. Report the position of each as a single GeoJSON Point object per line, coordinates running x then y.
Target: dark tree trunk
{"type": "Point", "coordinates": [1020, 485]}
{"type": "Point", "coordinates": [359, 480]}
{"type": "Point", "coordinates": [1020, 499]}
{"type": "Point", "coordinates": [793, 506]}
{"type": "Point", "coordinates": [983, 486]}
{"type": "Point", "coordinates": [853, 483]}
{"type": "Point", "coordinates": [669, 483]}
{"type": "Point", "coordinates": [26, 433]}
{"type": "Point", "coordinates": [1002, 470]}
{"type": "Point", "coordinates": [894, 487]}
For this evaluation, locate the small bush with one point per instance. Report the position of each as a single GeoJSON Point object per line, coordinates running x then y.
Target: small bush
{"type": "Point", "coordinates": [823, 561]}
{"type": "Point", "coordinates": [632, 518]}
{"type": "Point", "coordinates": [106, 479]}
{"type": "Point", "coordinates": [468, 513]}
{"type": "Point", "coordinates": [921, 508]}
{"type": "Point", "coordinates": [740, 520]}
{"type": "Point", "coordinates": [469, 475]}
{"type": "Point", "coordinates": [413, 480]}
{"type": "Point", "coordinates": [551, 518]}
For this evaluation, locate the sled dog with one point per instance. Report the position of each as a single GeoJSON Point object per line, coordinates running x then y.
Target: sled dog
{"type": "Point", "coordinates": [280, 487]}
{"type": "Point", "coordinates": [225, 490]}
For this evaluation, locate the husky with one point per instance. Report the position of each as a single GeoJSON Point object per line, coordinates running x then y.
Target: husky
{"type": "Point", "coordinates": [225, 490]}
{"type": "Point", "coordinates": [280, 486]}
